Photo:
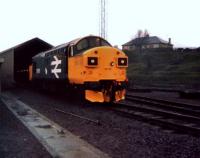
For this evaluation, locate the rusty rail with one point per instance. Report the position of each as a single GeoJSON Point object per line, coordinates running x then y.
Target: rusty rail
{"type": "Point", "coordinates": [78, 116]}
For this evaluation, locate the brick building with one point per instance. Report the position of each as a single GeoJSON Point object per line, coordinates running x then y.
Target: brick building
{"type": "Point", "coordinates": [148, 42]}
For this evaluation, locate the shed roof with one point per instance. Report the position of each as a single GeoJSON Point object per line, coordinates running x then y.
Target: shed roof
{"type": "Point", "coordinates": [24, 44]}
{"type": "Point", "coordinates": [146, 40]}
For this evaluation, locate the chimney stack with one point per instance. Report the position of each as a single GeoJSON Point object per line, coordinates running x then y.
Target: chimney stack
{"type": "Point", "coordinates": [169, 41]}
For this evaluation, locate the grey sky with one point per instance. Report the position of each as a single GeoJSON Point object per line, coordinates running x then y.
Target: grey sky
{"type": "Point", "coordinates": [59, 21]}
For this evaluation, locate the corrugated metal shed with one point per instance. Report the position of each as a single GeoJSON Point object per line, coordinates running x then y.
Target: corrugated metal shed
{"type": "Point", "coordinates": [1, 60]}
{"type": "Point", "coordinates": [18, 58]}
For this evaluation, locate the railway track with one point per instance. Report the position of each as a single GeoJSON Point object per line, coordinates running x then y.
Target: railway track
{"type": "Point", "coordinates": [174, 115]}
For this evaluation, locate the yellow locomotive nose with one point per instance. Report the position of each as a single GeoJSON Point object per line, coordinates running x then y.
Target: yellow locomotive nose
{"type": "Point", "coordinates": [106, 64]}
{"type": "Point", "coordinates": [102, 71]}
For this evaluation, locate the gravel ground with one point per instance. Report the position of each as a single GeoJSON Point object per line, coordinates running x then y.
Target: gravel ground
{"type": "Point", "coordinates": [15, 140]}
{"type": "Point", "coordinates": [118, 136]}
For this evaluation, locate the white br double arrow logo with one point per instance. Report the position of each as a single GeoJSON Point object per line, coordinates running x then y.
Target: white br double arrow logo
{"type": "Point", "coordinates": [55, 70]}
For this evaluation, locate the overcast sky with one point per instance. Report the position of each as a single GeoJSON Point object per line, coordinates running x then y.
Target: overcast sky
{"type": "Point", "coordinates": [59, 21]}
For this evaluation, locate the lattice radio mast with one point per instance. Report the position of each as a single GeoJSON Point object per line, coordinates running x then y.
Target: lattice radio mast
{"type": "Point", "coordinates": [102, 21]}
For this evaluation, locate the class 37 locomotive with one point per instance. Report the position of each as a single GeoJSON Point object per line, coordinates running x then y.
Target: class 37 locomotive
{"type": "Point", "coordinates": [89, 63]}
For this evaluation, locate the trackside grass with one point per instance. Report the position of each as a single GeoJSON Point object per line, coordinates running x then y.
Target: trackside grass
{"type": "Point", "coordinates": [164, 68]}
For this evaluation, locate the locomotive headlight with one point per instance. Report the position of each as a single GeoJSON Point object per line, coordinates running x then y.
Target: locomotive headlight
{"type": "Point", "coordinates": [122, 62]}
{"type": "Point", "coordinates": [92, 61]}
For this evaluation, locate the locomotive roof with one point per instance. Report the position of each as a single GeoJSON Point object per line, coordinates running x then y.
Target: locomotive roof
{"type": "Point", "coordinates": [73, 42]}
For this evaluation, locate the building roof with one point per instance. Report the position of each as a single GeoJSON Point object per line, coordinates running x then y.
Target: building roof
{"type": "Point", "coordinates": [146, 40]}
{"type": "Point", "coordinates": [24, 44]}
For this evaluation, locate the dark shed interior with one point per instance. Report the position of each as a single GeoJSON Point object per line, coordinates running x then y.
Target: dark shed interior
{"type": "Point", "coordinates": [23, 54]}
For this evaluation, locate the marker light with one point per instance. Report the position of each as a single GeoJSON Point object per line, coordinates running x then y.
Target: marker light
{"type": "Point", "coordinates": [122, 62]}
{"type": "Point", "coordinates": [92, 61]}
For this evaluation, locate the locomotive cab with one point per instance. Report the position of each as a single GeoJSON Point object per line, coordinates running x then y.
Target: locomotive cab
{"type": "Point", "coordinates": [99, 68]}
{"type": "Point", "coordinates": [85, 44]}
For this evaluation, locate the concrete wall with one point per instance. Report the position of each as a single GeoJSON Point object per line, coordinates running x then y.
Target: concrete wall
{"type": "Point", "coordinates": [7, 69]}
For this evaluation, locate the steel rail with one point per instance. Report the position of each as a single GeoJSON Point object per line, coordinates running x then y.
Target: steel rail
{"type": "Point", "coordinates": [170, 106]}
{"type": "Point", "coordinates": [78, 116]}
{"type": "Point", "coordinates": [186, 128]}
{"type": "Point", "coordinates": [163, 113]}
{"type": "Point", "coordinates": [180, 104]}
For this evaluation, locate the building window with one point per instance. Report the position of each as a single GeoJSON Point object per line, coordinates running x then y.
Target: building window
{"type": "Point", "coordinates": [156, 46]}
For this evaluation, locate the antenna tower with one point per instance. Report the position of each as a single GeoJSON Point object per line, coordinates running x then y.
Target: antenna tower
{"type": "Point", "coordinates": [102, 23]}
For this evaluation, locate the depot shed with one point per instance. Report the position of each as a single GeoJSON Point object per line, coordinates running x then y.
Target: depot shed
{"type": "Point", "coordinates": [17, 59]}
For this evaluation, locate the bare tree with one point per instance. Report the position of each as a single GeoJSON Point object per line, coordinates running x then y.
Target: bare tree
{"type": "Point", "coordinates": [139, 33]}
{"type": "Point", "coordinates": [146, 33]}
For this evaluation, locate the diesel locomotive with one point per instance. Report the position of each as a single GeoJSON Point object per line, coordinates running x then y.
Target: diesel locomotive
{"type": "Point", "coordinates": [90, 64]}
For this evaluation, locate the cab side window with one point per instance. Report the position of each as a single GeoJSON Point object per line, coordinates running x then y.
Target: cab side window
{"type": "Point", "coordinates": [71, 51]}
